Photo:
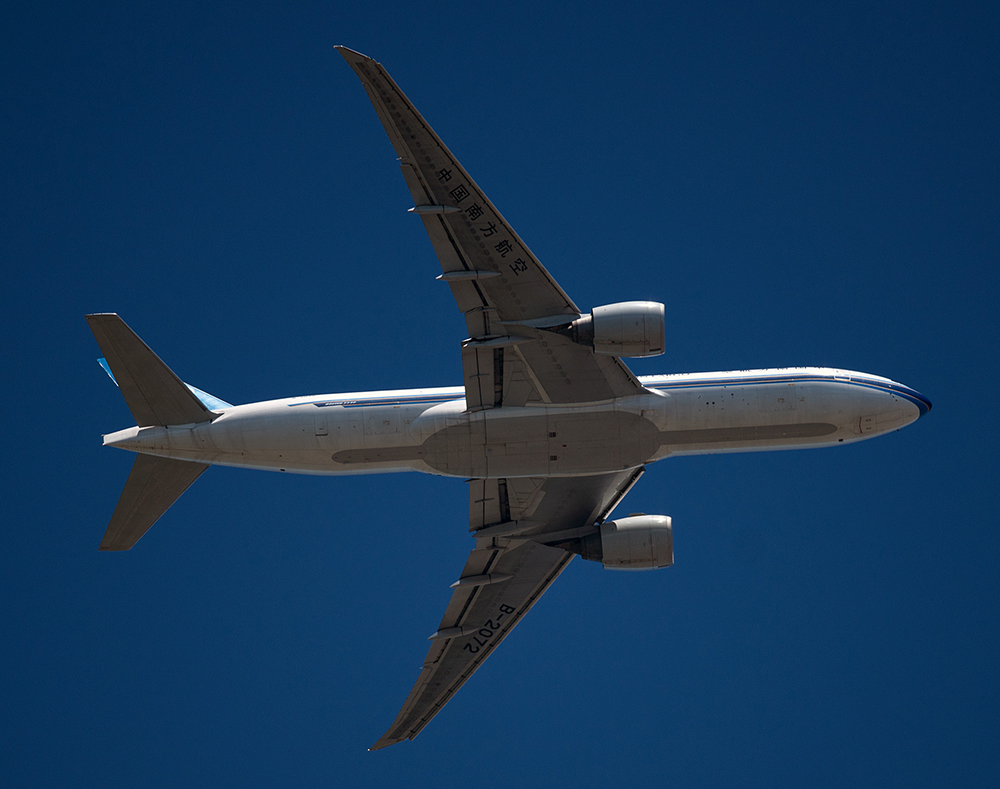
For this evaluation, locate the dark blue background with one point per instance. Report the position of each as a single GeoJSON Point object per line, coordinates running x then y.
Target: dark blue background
{"type": "Point", "coordinates": [798, 186]}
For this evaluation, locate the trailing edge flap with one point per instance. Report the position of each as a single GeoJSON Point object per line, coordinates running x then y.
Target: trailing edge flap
{"type": "Point", "coordinates": [152, 392]}
{"type": "Point", "coordinates": [152, 486]}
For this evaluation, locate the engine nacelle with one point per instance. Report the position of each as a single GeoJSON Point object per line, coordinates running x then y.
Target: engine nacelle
{"type": "Point", "coordinates": [638, 542]}
{"type": "Point", "coordinates": [630, 328]}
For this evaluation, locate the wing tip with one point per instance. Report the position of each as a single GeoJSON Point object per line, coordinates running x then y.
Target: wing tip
{"type": "Point", "coordinates": [350, 55]}
{"type": "Point", "coordinates": [385, 741]}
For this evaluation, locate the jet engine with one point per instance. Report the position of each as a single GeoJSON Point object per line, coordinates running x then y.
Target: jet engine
{"type": "Point", "coordinates": [630, 328]}
{"type": "Point", "coordinates": [638, 542]}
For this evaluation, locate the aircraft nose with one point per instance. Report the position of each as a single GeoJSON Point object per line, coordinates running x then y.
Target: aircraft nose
{"type": "Point", "coordinates": [922, 403]}
{"type": "Point", "coordinates": [926, 402]}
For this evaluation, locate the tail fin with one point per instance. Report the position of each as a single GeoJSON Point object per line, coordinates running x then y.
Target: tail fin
{"type": "Point", "coordinates": [152, 392]}
{"type": "Point", "coordinates": [152, 486]}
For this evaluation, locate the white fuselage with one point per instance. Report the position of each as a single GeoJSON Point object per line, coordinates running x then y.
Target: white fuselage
{"type": "Point", "coordinates": [429, 430]}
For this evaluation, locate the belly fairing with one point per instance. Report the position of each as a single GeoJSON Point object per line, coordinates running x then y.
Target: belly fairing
{"type": "Point", "coordinates": [517, 442]}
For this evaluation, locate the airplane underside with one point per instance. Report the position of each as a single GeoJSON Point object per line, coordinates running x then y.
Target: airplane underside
{"type": "Point", "coordinates": [550, 428]}
{"type": "Point", "coordinates": [323, 436]}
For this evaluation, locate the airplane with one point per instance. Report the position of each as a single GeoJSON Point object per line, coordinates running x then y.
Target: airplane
{"type": "Point", "coordinates": [550, 428]}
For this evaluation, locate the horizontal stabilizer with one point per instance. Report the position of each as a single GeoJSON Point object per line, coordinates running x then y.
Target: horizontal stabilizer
{"type": "Point", "coordinates": [152, 486]}
{"type": "Point", "coordinates": [152, 392]}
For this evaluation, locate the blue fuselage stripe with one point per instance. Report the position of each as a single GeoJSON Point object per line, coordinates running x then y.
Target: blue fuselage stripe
{"type": "Point", "coordinates": [921, 402]}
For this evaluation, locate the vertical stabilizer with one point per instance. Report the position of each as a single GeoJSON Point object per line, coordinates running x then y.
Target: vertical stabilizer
{"type": "Point", "coordinates": [152, 486]}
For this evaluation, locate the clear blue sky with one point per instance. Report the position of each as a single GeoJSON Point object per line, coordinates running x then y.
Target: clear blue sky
{"type": "Point", "coordinates": [798, 185]}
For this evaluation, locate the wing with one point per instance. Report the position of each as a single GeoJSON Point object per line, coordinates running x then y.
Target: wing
{"type": "Point", "coordinates": [507, 571]}
{"type": "Point", "coordinates": [506, 295]}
